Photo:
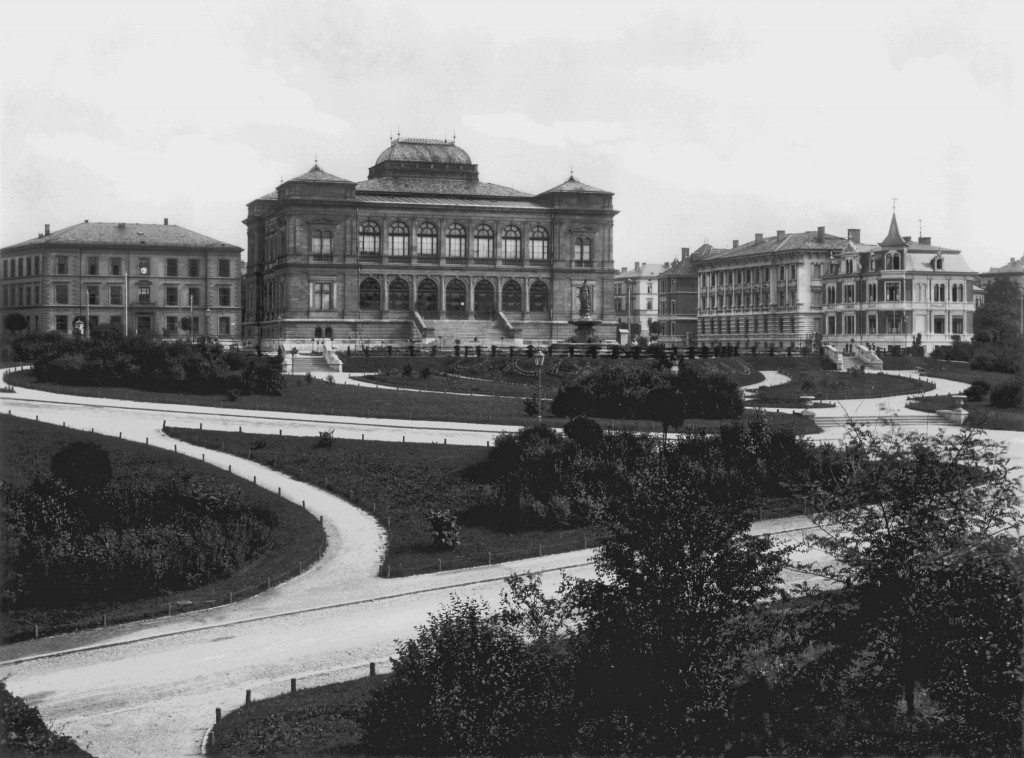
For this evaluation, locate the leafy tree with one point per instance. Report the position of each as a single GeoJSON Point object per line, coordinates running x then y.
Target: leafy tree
{"type": "Point", "coordinates": [584, 431]}
{"type": "Point", "coordinates": [654, 672]}
{"type": "Point", "coordinates": [999, 319]}
{"type": "Point", "coordinates": [15, 322]}
{"type": "Point", "coordinates": [82, 466]}
{"type": "Point", "coordinates": [669, 406]}
{"type": "Point", "coordinates": [445, 529]}
{"type": "Point", "coordinates": [899, 502]}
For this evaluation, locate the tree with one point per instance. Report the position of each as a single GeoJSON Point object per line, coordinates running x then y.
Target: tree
{"type": "Point", "coordinates": [15, 322]}
{"type": "Point", "coordinates": [82, 466]}
{"type": "Point", "coordinates": [999, 318]}
{"type": "Point", "coordinates": [669, 406]}
{"type": "Point", "coordinates": [654, 661]}
{"type": "Point", "coordinates": [898, 503]}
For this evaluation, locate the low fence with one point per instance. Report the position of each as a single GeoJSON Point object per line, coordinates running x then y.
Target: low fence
{"type": "Point", "coordinates": [163, 608]}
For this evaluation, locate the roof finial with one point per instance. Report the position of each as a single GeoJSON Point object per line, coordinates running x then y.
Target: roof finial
{"type": "Point", "coordinates": [399, 133]}
{"type": "Point", "coordinates": [453, 135]}
{"type": "Point", "coordinates": [316, 161]}
{"type": "Point", "coordinates": [920, 229]}
{"type": "Point", "coordinates": [572, 178]}
{"type": "Point", "coordinates": [894, 204]}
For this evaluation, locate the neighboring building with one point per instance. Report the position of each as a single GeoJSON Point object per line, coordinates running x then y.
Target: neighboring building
{"type": "Point", "coordinates": [677, 298]}
{"type": "Point", "coordinates": [801, 290]}
{"type": "Point", "coordinates": [143, 278]}
{"type": "Point", "coordinates": [636, 297]}
{"type": "Point", "coordinates": [1014, 269]}
{"type": "Point", "coordinates": [423, 250]}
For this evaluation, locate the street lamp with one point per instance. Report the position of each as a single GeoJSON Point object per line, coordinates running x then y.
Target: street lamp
{"type": "Point", "coordinates": [191, 320]}
{"type": "Point", "coordinates": [538, 359]}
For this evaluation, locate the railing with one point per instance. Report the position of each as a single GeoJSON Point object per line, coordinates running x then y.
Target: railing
{"type": "Point", "coordinates": [322, 258]}
{"type": "Point", "coordinates": [427, 259]}
{"type": "Point", "coordinates": [370, 257]}
{"type": "Point", "coordinates": [459, 261]}
{"type": "Point", "coordinates": [582, 264]}
{"type": "Point", "coordinates": [389, 570]}
{"type": "Point", "coordinates": [510, 262]}
{"type": "Point", "coordinates": [538, 261]}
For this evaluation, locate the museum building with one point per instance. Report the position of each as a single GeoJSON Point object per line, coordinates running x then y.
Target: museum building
{"type": "Point", "coordinates": [423, 251]}
{"type": "Point", "coordinates": [142, 278]}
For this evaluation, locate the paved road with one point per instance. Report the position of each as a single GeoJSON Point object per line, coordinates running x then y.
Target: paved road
{"type": "Point", "coordinates": [163, 679]}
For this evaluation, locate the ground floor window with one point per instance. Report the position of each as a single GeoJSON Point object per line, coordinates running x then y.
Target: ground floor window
{"type": "Point", "coordinates": [172, 325]}
{"type": "Point", "coordinates": [455, 297]}
{"type": "Point", "coordinates": [483, 299]}
{"type": "Point", "coordinates": [398, 295]}
{"type": "Point", "coordinates": [426, 296]}
{"type": "Point", "coordinates": [957, 325]}
{"type": "Point", "coordinates": [369, 295]}
{"type": "Point", "coordinates": [62, 324]}
{"type": "Point", "coordinates": [850, 324]}
{"type": "Point", "coordinates": [538, 297]}
{"type": "Point", "coordinates": [512, 297]}
{"type": "Point", "coordinates": [940, 325]}
{"type": "Point", "coordinates": [872, 324]}
{"type": "Point", "coordinates": [831, 328]}
{"type": "Point", "coordinates": [224, 325]}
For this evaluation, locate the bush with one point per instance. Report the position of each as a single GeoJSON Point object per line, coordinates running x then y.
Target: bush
{"type": "Point", "coordinates": [977, 391]}
{"type": "Point", "coordinates": [23, 731]}
{"type": "Point", "coordinates": [444, 528]}
{"type": "Point", "coordinates": [325, 439]}
{"type": "Point", "coordinates": [1007, 395]}
{"type": "Point", "coordinates": [531, 405]}
{"type": "Point", "coordinates": [584, 431]}
{"type": "Point", "coordinates": [82, 466]}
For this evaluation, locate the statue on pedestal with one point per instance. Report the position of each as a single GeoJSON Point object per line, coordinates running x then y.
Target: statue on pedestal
{"type": "Point", "coordinates": [584, 300]}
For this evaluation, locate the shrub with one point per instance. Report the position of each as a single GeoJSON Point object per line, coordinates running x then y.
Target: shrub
{"type": "Point", "coordinates": [425, 372]}
{"type": "Point", "coordinates": [1007, 395]}
{"type": "Point", "coordinates": [977, 391]}
{"type": "Point", "coordinates": [407, 370]}
{"type": "Point", "coordinates": [584, 431]}
{"type": "Point", "coordinates": [444, 528]}
{"type": "Point", "coordinates": [325, 438]}
{"type": "Point", "coordinates": [232, 395]}
{"type": "Point", "coordinates": [25, 733]}
{"type": "Point", "coordinates": [82, 466]}
{"type": "Point", "coordinates": [330, 379]}
{"type": "Point", "coordinates": [308, 378]}
{"type": "Point", "coordinates": [531, 405]}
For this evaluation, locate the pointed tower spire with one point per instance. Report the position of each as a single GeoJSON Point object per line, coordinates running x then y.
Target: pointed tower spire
{"type": "Point", "coordinates": [893, 238]}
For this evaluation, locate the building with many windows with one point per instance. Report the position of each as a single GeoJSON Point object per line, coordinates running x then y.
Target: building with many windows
{"type": "Point", "coordinates": [636, 297]}
{"type": "Point", "coordinates": [811, 288]}
{"type": "Point", "coordinates": [424, 251]}
{"type": "Point", "coordinates": [677, 298]}
{"type": "Point", "coordinates": [143, 278]}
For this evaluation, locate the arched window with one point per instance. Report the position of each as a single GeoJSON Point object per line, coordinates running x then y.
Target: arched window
{"type": "Point", "coordinates": [483, 299]}
{"type": "Point", "coordinates": [426, 242]}
{"type": "Point", "coordinates": [896, 261]}
{"type": "Point", "coordinates": [328, 333]}
{"type": "Point", "coordinates": [938, 262]}
{"type": "Point", "coordinates": [455, 297]}
{"type": "Point", "coordinates": [483, 242]}
{"type": "Point", "coordinates": [581, 253]}
{"type": "Point", "coordinates": [456, 241]}
{"type": "Point", "coordinates": [512, 297]}
{"type": "Point", "coordinates": [398, 240]}
{"type": "Point", "coordinates": [538, 297]}
{"type": "Point", "coordinates": [369, 294]}
{"type": "Point", "coordinates": [398, 295]}
{"type": "Point", "coordinates": [510, 243]}
{"type": "Point", "coordinates": [369, 238]}
{"type": "Point", "coordinates": [318, 332]}
{"type": "Point", "coordinates": [426, 297]}
{"type": "Point", "coordinates": [538, 244]}
{"type": "Point", "coordinates": [888, 261]}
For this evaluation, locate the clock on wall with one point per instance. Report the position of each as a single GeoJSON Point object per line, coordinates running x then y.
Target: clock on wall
{"type": "Point", "coordinates": [143, 270]}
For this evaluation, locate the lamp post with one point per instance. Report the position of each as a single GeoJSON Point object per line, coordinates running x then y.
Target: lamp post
{"type": "Point", "coordinates": [191, 319]}
{"type": "Point", "coordinates": [538, 359]}
{"type": "Point", "coordinates": [126, 301]}
{"type": "Point", "coordinates": [178, 298]}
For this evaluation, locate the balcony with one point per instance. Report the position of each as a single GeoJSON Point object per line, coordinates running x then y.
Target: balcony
{"type": "Point", "coordinates": [582, 264]}
{"type": "Point", "coordinates": [427, 259]}
{"type": "Point", "coordinates": [460, 261]}
{"type": "Point", "coordinates": [322, 259]}
{"type": "Point", "coordinates": [510, 262]}
{"type": "Point", "coordinates": [538, 261]}
{"type": "Point", "coordinates": [370, 257]}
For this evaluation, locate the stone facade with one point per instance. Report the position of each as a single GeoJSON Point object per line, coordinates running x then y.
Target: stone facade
{"type": "Point", "coordinates": [138, 277]}
{"type": "Point", "coordinates": [812, 288]}
{"type": "Point", "coordinates": [424, 251]}
{"type": "Point", "coordinates": [677, 298]}
{"type": "Point", "coordinates": [636, 297]}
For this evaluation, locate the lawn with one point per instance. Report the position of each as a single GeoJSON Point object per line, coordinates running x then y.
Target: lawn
{"type": "Point", "coordinates": [836, 385]}
{"type": "Point", "coordinates": [27, 449]}
{"type": "Point", "coordinates": [317, 721]}
{"type": "Point", "coordinates": [401, 483]}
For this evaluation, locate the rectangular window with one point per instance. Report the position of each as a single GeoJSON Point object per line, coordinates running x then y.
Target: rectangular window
{"type": "Point", "coordinates": [957, 325]}
{"type": "Point", "coordinates": [171, 295]}
{"type": "Point", "coordinates": [92, 265]}
{"type": "Point", "coordinates": [224, 296]}
{"type": "Point", "coordinates": [62, 324]}
{"type": "Point", "coordinates": [224, 267]}
{"type": "Point", "coordinates": [172, 324]}
{"type": "Point", "coordinates": [115, 267]}
{"type": "Point", "coordinates": [93, 293]}
{"type": "Point", "coordinates": [849, 265]}
{"type": "Point", "coordinates": [193, 267]}
{"type": "Point", "coordinates": [850, 325]}
{"type": "Point", "coordinates": [37, 264]}
{"type": "Point", "coordinates": [831, 324]}
{"type": "Point", "coordinates": [21, 267]}
{"type": "Point", "coordinates": [116, 321]}
{"type": "Point", "coordinates": [850, 293]}
{"type": "Point", "coordinates": [61, 295]}
{"type": "Point", "coordinates": [115, 295]}
{"type": "Point", "coordinates": [872, 324]}
{"type": "Point", "coordinates": [172, 266]}
{"type": "Point", "coordinates": [37, 300]}
{"type": "Point", "coordinates": [872, 293]}
{"type": "Point", "coordinates": [62, 266]}
{"type": "Point", "coordinates": [94, 321]}
{"type": "Point", "coordinates": [816, 297]}
{"type": "Point", "coordinates": [224, 326]}
{"type": "Point", "coordinates": [322, 296]}
{"type": "Point", "coordinates": [193, 297]}
{"type": "Point", "coordinates": [940, 325]}
{"type": "Point", "coordinates": [144, 294]}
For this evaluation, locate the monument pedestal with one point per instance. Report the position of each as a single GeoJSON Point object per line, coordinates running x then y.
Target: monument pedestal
{"type": "Point", "coordinates": [584, 329]}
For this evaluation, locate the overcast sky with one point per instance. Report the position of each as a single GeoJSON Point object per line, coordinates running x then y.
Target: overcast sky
{"type": "Point", "coordinates": [708, 121]}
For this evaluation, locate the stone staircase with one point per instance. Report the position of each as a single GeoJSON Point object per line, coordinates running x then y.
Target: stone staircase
{"type": "Point", "coordinates": [304, 364]}
{"type": "Point", "coordinates": [446, 331]}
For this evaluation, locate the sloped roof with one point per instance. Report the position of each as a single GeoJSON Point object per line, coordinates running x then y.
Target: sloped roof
{"type": "Point", "coordinates": [1015, 266]}
{"type": "Point", "coordinates": [126, 235]}
{"type": "Point", "coordinates": [573, 185]}
{"type": "Point", "coordinates": [807, 241]}
{"type": "Point", "coordinates": [423, 185]}
{"type": "Point", "coordinates": [893, 238]}
{"type": "Point", "coordinates": [317, 174]}
{"type": "Point", "coordinates": [458, 202]}
{"type": "Point", "coordinates": [685, 267]}
{"type": "Point", "coordinates": [646, 271]}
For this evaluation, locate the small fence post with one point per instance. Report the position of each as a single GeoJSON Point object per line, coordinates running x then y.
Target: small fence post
{"type": "Point", "coordinates": [248, 697]}
{"type": "Point", "coordinates": [231, 597]}
{"type": "Point", "coordinates": [488, 559]}
{"type": "Point", "coordinates": [438, 564]}
{"type": "Point", "coordinates": [268, 582]}
{"type": "Point", "coordinates": [36, 628]}
{"type": "Point", "coordinates": [373, 669]}
{"type": "Point", "coordinates": [218, 716]}
{"type": "Point", "coordinates": [293, 685]}
{"type": "Point", "coordinates": [168, 609]}
{"type": "Point", "coordinates": [104, 621]}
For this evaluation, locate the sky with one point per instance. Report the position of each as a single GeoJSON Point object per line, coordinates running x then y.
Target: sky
{"type": "Point", "coordinates": [708, 121]}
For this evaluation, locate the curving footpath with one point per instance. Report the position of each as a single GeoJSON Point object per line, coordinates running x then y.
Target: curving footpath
{"type": "Point", "coordinates": [150, 688]}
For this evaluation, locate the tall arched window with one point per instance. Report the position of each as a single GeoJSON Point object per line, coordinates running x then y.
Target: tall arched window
{"type": "Point", "coordinates": [483, 242]}
{"type": "Point", "coordinates": [369, 294]}
{"type": "Point", "coordinates": [896, 261]}
{"type": "Point", "coordinates": [369, 238]}
{"type": "Point", "coordinates": [538, 244]}
{"type": "Point", "coordinates": [426, 240]}
{"type": "Point", "coordinates": [456, 241]}
{"type": "Point", "coordinates": [455, 298]}
{"type": "Point", "coordinates": [398, 240]}
{"type": "Point", "coordinates": [538, 297]}
{"type": "Point", "coordinates": [512, 297]}
{"type": "Point", "coordinates": [581, 253]}
{"type": "Point", "coordinates": [510, 243]}
{"type": "Point", "coordinates": [426, 297]}
{"type": "Point", "coordinates": [483, 299]}
{"type": "Point", "coordinates": [398, 295]}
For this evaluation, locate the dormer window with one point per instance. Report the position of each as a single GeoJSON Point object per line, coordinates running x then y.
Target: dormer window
{"type": "Point", "coordinates": [938, 263]}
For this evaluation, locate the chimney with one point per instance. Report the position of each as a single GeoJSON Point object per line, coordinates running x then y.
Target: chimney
{"type": "Point", "coordinates": [925, 240]}
{"type": "Point", "coordinates": [685, 252]}
{"type": "Point", "coordinates": [624, 270]}
{"type": "Point", "coordinates": [757, 238]}
{"type": "Point", "coordinates": [40, 235]}
{"type": "Point", "coordinates": [780, 234]}
{"type": "Point", "coordinates": [121, 225]}
{"type": "Point", "coordinates": [735, 243]}
{"type": "Point", "coordinates": [87, 221]}
{"type": "Point", "coordinates": [821, 234]}
{"type": "Point", "coordinates": [47, 227]}
{"type": "Point", "coordinates": [636, 266]}
{"type": "Point", "coordinates": [666, 264]}
{"type": "Point", "coordinates": [165, 222]}
{"type": "Point", "coordinates": [853, 235]}
{"type": "Point", "coordinates": [906, 239]}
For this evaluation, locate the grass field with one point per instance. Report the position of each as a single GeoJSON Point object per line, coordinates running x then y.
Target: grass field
{"type": "Point", "coordinates": [27, 449]}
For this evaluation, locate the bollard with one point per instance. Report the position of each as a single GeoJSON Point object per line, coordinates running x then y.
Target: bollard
{"type": "Point", "coordinates": [147, 440]}
{"type": "Point", "coordinates": [540, 550]}
{"type": "Point", "coordinates": [280, 432]}
{"type": "Point", "coordinates": [248, 697]}
{"type": "Point", "coordinates": [104, 621]}
{"type": "Point", "coordinates": [438, 564]}
{"type": "Point", "coordinates": [168, 609]}
{"type": "Point", "coordinates": [239, 429]}
{"type": "Point", "coordinates": [584, 542]}
{"type": "Point", "coordinates": [373, 669]}
{"type": "Point", "coordinates": [218, 715]}
{"type": "Point", "coordinates": [200, 426]}
{"type": "Point", "coordinates": [229, 468]}
{"type": "Point", "coordinates": [300, 568]}
{"type": "Point", "coordinates": [268, 582]}
{"type": "Point", "coordinates": [293, 686]}
{"type": "Point", "coordinates": [36, 627]}
{"type": "Point", "coordinates": [278, 491]}
{"type": "Point", "coordinates": [488, 559]}
{"type": "Point", "coordinates": [446, 440]}
{"type": "Point", "coordinates": [118, 434]}
{"type": "Point", "coordinates": [175, 448]}
{"type": "Point", "coordinates": [321, 520]}
{"type": "Point", "coordinates": [389, 571]}
{"type": "Point", "coordinates": [204, 457]}
{"type": "Point", "coordinates": [362, 437]}
{"type": "Point", "coordinates": [303, 503]}
{"type": "Point", "coordinates": [403, 438]}
{"type": "Point", "coordinates": [254, 478]}
{"type": "Point", "coordinates": [231, 597]}
{"type": "Point", "coordinates": [63, 423]}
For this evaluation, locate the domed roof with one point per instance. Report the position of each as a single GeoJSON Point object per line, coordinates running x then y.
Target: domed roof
{"type": "Point", "coordinates": [425, 151]}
